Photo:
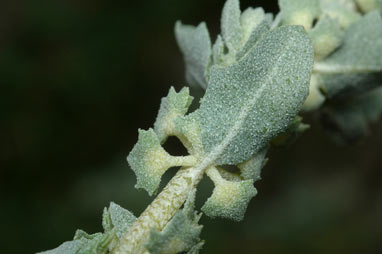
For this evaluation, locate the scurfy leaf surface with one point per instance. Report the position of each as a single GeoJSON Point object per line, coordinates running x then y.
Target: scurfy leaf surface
{"type": "Point", "coordinates": [250, 102]}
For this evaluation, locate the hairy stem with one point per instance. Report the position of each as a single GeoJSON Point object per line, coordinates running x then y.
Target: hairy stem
{"type": "Point", "coordinates": [160, 211]}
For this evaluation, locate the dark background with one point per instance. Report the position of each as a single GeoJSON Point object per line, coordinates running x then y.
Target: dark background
{"type": "Point", "coordinates": [79, 77]}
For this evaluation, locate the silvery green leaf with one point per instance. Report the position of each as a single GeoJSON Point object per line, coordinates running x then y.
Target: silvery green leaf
{"type": "Point", "coordinates": [70, 247]}
{"type": "Point", "coordinates": [350, 120]}
{"type": "Point", "coordinates": [229, 199]}
{"type": "Point", "coordinates": [370, 5]}
{"type": "Point", "coordinates": [299, 12]}
{"type": "Point", "coordinates": [195, 44]}
{"type": "Point", "coordinates": [250, 102]}
{"type": "Point", "coordinates": [172, 106]}
{"type": "Point", "coordinates": [326, 37]}
{"type": "Point", "coordinates": [121, 218]}
{"type": "Point", "coordinates": [257, 34]}
{"type": "Point", "coordinates": [231, 26]}
{"type": "Point", "coordinates": [251, 169]}
{"type": "Point", "coordinates": [180, 234]}
{"type": "Point", "coordinates": [342, 10]}
{"type": "Point", "coordinates": [357, 64]}
{"type": "Point", "coordinates": [250, 19]}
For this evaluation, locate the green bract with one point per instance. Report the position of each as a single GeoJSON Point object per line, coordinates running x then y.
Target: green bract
{"type": "Point", "coordinates": [172, 106]}
{"type": "Point", "coordinates": [229, 198]}
{"type": "Point", "coordinates": [150, 161]}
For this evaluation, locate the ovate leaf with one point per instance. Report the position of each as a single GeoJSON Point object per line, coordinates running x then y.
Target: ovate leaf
{"type": "Point", "coordinates": [250, 102]}
{"type": "Point", "coordinates": [195, 44]}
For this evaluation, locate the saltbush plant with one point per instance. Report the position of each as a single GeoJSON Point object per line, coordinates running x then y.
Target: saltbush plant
{"type": "Point", "coordinates": [259, 74]}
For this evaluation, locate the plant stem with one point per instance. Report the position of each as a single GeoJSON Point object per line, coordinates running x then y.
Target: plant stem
{"type": "Point", "coordinates": [160, 211]}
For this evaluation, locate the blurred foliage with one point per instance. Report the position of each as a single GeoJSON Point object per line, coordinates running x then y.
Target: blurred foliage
{"type": "Point", "coordinates": [78, 78]}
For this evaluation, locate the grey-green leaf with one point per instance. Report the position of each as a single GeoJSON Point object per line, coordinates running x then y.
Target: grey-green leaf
{"type": "Point", "coordinates": [195, 44]}
{"type": "Point", "coordinates": [360, 56]}
{"type": "Point", "coordinates": [250, 102]}
{"type": "Point", "coordinates": [231, 26]}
